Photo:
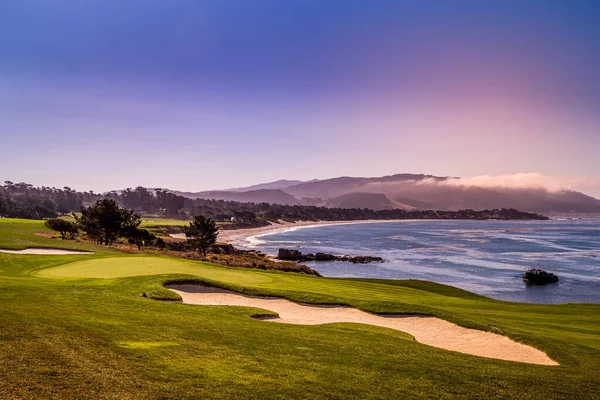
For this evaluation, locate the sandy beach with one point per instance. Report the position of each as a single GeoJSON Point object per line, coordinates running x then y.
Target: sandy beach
{"type": "Point", "coordinates": [236, 235]}
{"type": "Point", "coordinates": [431, 331]}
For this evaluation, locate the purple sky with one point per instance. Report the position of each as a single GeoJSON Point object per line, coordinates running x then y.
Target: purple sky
{"type": "Point", "coordinates": [197, 95]}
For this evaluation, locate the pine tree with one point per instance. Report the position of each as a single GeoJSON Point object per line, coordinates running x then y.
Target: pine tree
{"type": "Point", "coordinates": [201, 233]}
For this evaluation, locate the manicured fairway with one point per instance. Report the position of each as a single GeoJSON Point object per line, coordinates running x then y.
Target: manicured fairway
{"type": "Point", "coordinates": [377, 296]}
{"type": "Point", "coordinates": [119, 267]}
{"type": "Point", "coordinates": [19, 234]}
{"type": "Point", "coordinates": [157, 222]}
{"type": "Point", "coordinates": [86, 326]}
{"type": "Point", "coordinates": [163, 222]}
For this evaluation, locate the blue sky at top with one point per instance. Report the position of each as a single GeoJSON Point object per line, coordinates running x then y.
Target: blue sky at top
{"type": "Point", "coordinates": [207, 94]}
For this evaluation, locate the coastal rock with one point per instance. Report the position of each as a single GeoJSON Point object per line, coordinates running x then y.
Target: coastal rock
{"type": "Point", "coordinates": [252, 252]}
{"type": "Point", "coordinates": [325, 257]}
{"type": "Point", "coordinates": [295, 255]}
{"type": "Point", "coordinates": [222, 248]}
{"type": "Point", "coordinates": [539, 277]}
{"type": "Point", "coordinates": [289, 255]}
{"type": "Point", "coordinates": [364, 259]}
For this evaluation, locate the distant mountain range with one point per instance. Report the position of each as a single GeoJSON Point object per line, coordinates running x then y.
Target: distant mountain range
{"type": "Point", "coordinates": [406, 191]}
{"type": "Point", "coordinates": [272, 196]}
{"type": "Point", "coordinates": [281, 184]}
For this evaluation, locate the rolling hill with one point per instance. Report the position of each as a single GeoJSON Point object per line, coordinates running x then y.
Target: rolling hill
{"type": "Point", "coordinates": [407, 191]}
{"type": "Point", "coordinates": [271, 196]}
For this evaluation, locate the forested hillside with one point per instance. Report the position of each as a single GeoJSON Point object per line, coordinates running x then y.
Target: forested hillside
{"type": "Point", "coordinates": [23, 200]}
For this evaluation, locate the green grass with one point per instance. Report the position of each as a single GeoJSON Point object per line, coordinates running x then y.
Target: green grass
{"type": "Point", "coordinates": [119, 267]}
{"type": "Point", "coordinates": [158, 222]}
{"type": "Point", "coordinates": [153, 222]}
{"type": "Point", "coordinates": [19, 234]}
{"type": "Point", "coordinates": [78, 327]}
{"type": "Point", "coordinates": [164, 226]}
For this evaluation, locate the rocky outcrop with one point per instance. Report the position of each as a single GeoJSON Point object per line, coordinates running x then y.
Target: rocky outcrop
{"type": "Point", "coordinates": [295, 255]}
{"type": "Point", "coordinates": [539, 277]}
{"type": "Point", "coordinates": [252, 252]}
{"type": "Point", "coordinates": [324, 257]}
{"type": "Point", "coordinates": [361, 259]}
{"type": "Point", "coordinates": [218, 248]}
{"type": "Point", "coordinates": [289, 255]}
{"type": "Point", "coordinates": [222, 248]}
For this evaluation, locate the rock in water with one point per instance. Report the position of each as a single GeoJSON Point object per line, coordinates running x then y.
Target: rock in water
{"type": "Point", "coordinates": [295, 255]}
{"type": "Point", "coordinates": [539, 277]}
{"type": "Point", "coordinates": [364, 259]}
{"type": "Point", "coordinates": [324, 257]}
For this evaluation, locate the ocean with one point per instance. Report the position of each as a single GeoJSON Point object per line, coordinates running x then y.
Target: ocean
{"type": "Point", "coordinates": [485, 257]}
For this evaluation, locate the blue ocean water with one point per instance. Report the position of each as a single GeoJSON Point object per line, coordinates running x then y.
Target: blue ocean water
{"type": "Point", "coordinates": [485, 257]}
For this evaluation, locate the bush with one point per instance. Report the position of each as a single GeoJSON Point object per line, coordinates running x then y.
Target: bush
{"type": "Point", "coordinates": [160, 243]}
{"type": "Point", "coordinates": [62, 226]}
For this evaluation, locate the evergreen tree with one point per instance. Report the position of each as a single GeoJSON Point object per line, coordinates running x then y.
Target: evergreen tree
{"type": "Point", "coordinates": [105, 221]}
{"type": "Point", "coordinates": [201, 233]}
{"type": "Point", "coordinates": [62, 226]}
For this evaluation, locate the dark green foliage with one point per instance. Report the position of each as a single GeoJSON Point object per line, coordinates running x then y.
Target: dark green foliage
{"type": "Point", "coordinates": [22, 200]}
{"type": "Point", "coordinates": [26, 201]}
{"type": "Point", "coordinates": [140, 237]}
{"type": "Point", "coordinates": [160, 243]}
{"type": "Point", "coordinates": [3, 206]}
{"type": "Point", "coordinates": [144, 200]}
{"type": "Point", "coordinates": [62, 226]}
{"type": "Point", "coordinates": [201, 233]}
{"type": "Point", "coordinates": [105, 221]}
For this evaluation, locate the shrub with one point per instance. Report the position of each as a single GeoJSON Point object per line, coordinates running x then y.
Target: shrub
{"type": "Point", "coordinates": [62, 226]}
{"type": "Point", "coordinates": [160, 243]}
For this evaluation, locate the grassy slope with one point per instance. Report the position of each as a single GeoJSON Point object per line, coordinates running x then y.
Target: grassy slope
{"type": "Point", "coordinates": [163, 226]}
{"type": "Point", "coordinates": [154, 221]}
{"type": "Point", "coordinates": [98, 338]}
{"type": "Point", "coordinates": [163, 222]}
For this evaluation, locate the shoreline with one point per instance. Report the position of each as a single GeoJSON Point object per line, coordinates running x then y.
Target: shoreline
{"type": "Point", "coordinates": [238, 235]}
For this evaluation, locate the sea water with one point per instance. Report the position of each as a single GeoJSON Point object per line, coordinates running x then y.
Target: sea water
{"type": "Point", "coordinates": [485, 257]}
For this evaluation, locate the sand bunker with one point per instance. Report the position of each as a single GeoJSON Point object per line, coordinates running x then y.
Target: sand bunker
{"type": "Point", "coordinates": [427, 330]}
{"type": "Point", "coordinates": [45, 252]}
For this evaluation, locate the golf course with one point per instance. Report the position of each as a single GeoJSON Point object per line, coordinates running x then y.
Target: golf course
{"type": "Point", "coordinates": [100, 324]}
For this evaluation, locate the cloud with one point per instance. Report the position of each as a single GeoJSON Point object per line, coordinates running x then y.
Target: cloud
{"type": "Point", "coordinates": [550, 183]}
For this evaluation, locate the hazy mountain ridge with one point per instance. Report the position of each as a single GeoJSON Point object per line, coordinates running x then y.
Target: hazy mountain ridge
{"type": "Point", "coordinates": [373, 201]}
{"type": "Point", "coordinates": [280, 184]}
{"type": "Point", "coordinates": [409, 191]}
{"type": "Point", "coordinates": [271, 196]}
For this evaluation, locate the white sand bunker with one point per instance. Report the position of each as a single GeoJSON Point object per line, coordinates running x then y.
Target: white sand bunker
{"type": "Point", "coordinates": [45, 252]}
{"type": "Point", "coordinates": [427, 330]}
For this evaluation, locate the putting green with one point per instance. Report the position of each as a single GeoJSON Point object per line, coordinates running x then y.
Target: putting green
{"type": "Point", "coordinates": [120, 267]}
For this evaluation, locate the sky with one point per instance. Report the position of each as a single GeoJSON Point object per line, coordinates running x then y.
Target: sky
{"type": "Point", "coordinates": [212, 94]}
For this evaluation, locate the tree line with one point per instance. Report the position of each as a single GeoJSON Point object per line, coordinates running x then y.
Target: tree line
{"type": "Point", "coordinates": [105, 222]}
{"type": "Point", "coordinates": [22, 200]}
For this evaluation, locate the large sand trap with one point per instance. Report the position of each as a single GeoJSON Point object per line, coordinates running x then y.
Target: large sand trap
{"type": "Point", "coordinates": [427, 330]}
{"type": "Point", "coordinates": [45, 252]}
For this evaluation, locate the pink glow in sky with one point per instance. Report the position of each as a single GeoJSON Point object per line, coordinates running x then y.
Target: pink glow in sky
{"type": "Point", "coordinates": [207, 95]}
